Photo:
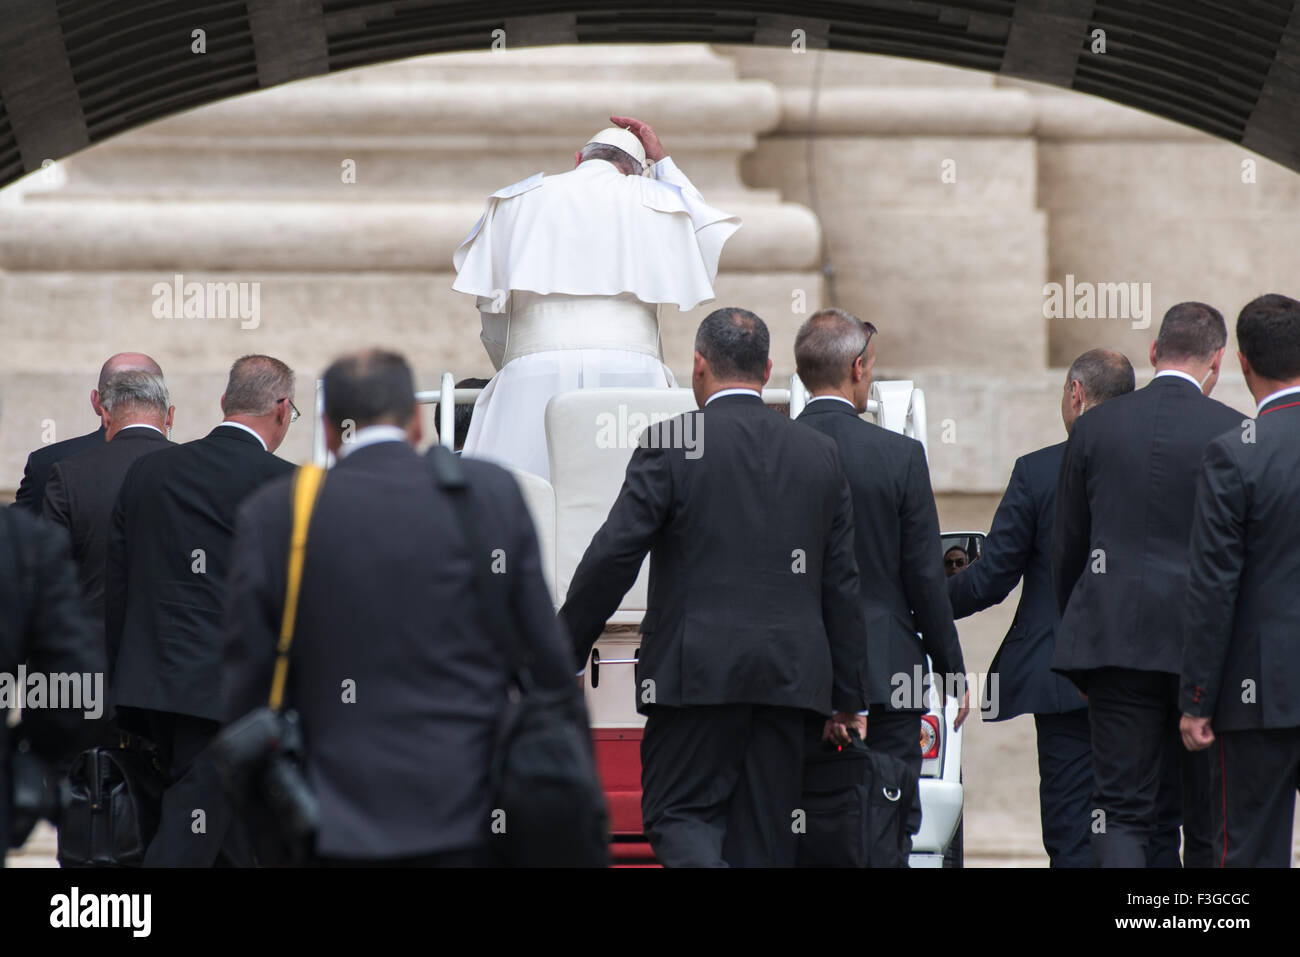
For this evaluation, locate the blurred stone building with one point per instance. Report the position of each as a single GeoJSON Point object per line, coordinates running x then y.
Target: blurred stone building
{"type": "Point", "coordinates": [936, 202]}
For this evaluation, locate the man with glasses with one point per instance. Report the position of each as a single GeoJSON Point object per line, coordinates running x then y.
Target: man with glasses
{"type": "Point", "coordinates": [954, 560]}
{"type": "Point", "coordinates": [896, 537]}
{"type": "Point", "coordinates": [166, 578]}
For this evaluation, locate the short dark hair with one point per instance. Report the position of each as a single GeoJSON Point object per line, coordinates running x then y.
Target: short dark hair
{"type": "Point", "coordinates": [1103, 373]}
{"type": "Point", "coordinates": [463, 413]}
{"type": "Point", "coordinates": [368, 388]}
{"type": "Point", "coordinates": [736, 344]}
{"type": "Point", "coordinates": [1191, 330]}
{"type": "Point", "coordinates": [827, 345]}
{"type": "Point", "coordinates": [1268, 334]}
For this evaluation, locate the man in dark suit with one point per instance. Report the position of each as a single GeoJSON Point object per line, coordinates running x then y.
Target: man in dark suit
{"type": "Point", "coordinates": [386, 567]}
{"type": "Point", "coordinates": [44, 627]}
{"type": "Point", "coordinates": [1119, 568]}
{"type": "Point", "coordinates": [167, 569]}
{"type": "Point", "coordinates": [31, 491]}
{"type": "Point", "coordinates": [1019, 546]}
{"type": "Point", "coordinates": [896, 538]}
{"type": "Point", "coordinates": [753, 619]}
{"type": "Point", "coordinates": [82, 488]}
{"type": "Point", "coordinates": [1241, 660]}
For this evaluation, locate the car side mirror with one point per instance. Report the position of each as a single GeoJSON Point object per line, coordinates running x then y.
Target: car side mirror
{"type": "Point", "coordinates": [960, 550]}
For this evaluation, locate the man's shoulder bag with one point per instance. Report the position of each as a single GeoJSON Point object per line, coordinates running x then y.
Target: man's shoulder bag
{"type": "Point", "coordinates": [548, 806]}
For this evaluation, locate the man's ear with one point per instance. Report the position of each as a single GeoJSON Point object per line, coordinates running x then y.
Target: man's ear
{"type": "Point", "coordinates": [94, 403]}
{"type": "Point", "coordinates": [859, 368]}
{"type": "Point", "coordinates": [1245, 363]}
{"type": "Point", "coordinates": [1153, 352]}
{"type": "Point", "coordinates": [700, 366]}
{"type": "Point", "coordinates": [577, 158]}
{"type": "Point", "coordinates": [171, 414]}
{"type": "Point", "coordinates": [333, 437]}
{"type": "Point", "coordinates": [1217, 362]}
{"type": "Point", "coordinates": [223, 403]}
{"type": "Point", "coordinates": [767, 372]}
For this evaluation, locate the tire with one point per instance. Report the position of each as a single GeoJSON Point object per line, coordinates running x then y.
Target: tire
{"type": "Point", "coordinates": [954, 854]}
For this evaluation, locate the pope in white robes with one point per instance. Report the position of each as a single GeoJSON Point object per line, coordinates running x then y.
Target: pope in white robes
{"type": "Point", "coordinates": [569, 272]}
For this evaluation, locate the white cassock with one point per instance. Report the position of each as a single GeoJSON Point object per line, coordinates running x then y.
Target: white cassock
{"type": "Point", "coordinates": [569, 271]}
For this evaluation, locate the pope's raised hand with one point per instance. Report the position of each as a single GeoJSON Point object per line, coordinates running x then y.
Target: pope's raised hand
{"type": "Point", "coordinates": [654, 150]}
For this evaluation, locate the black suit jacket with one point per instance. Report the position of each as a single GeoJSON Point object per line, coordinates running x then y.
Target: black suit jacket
{"type": "Point", "coordinates": [388, 602]}
{"type": "Point", "coordinates": [44, 626]}
{"type": "Point", "coordinates": [31, 490]}
{"type": "Point", "coordinates": [167, 568]}
{"type": "Point", "coordinates": [79, 497]}
{"type": "Point", "coordinates": [1241, 661]}
{"type": "Point", "coordinates": [753, 586]}
{"type": "Point", "coordinates": [897, 548]}
{"type": "Point", "coordinates": [1019, 545]}
{"type": "Point", "coordinates": [1123, 525]}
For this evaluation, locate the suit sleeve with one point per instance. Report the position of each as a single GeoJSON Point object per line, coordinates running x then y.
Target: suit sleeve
{"type": "Point", "coordinates": [25, 497]}
{"type": "Point", "coordinates": [61, 640]}
{"type": "Point", "coordinates": [1218, 548]}
{"type": "Point", "coordinates": [55, 507]}
{"type": "Point", "coordinates": [531, 600]}
{"type": "Point", "coordinates": [613, 559]}
{"type": "Point", "coordinates": [842, 611]}
{"type": "Point", "coordinates": [1006, 551]}
{"type": "Point", "coordinates": [254, 604]}
{"type": "Point", "coordinates": [115, 578]}
{"type": "Point", "coordinates": [922, 566]}
{"type": "Point", "coordinates": [1072, 523]}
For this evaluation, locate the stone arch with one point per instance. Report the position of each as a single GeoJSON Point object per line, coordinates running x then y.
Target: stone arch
{"type": "Point", "coordinates": [76, 72]}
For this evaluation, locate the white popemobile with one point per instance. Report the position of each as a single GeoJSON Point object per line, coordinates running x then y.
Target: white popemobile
{"type": "Point", "coordinates": [585, 477]}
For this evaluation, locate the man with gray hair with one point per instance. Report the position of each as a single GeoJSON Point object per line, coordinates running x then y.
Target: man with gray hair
{"type": "Point", "coordinates": [569, 271]}
{"type": "Point", "coordinates": [167, 570]}
{"type": "Point", "coordinates": [31, 491]}
{"type": "Point", "coordinates": [82, 488]}
{"type": "Point", "coordinates": [896, 539]}
{"type": "Point", "coordinates": [1021, 680]}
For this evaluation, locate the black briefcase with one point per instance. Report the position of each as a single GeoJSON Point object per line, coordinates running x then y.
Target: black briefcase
{"type": "Point", "coordinates": [113, 807]}
{"type": "Point", "coordinates": [856, 803]}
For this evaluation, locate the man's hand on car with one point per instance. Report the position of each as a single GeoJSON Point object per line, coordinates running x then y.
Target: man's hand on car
{"type": "Point", "coordinates": [963, 711]}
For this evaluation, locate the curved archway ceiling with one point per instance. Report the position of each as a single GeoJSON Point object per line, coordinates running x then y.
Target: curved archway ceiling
{"type": "Point", "coordinates": [74, 72]}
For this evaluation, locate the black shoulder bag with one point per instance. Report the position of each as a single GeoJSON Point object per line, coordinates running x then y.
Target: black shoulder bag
{"type": "Point", "coordinates": [548, 807]}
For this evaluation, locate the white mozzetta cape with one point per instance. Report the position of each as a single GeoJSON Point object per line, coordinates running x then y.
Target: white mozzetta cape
{"type": "Point", "coordinates": [595, 232]}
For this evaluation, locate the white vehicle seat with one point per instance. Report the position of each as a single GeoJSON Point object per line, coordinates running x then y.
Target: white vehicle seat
{"type": "Point", "coordinates": [591, 434]}
{"type": "Point", "coordinates": [539, 496]}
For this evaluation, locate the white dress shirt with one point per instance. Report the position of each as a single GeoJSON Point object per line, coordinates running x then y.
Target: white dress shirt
{"type": "Point", "coordinates": [1181, 374]}
{"type": "Point", "coordinates": [1292, 390]}
{"type": "Point", "coordinates": [252, 432]}
{"type": "Point", "coordinates": [721, 393]}
{"type": "Point", "coordinates": [371, 435]}
{"type": "Point", "coordinates": [838, 398]}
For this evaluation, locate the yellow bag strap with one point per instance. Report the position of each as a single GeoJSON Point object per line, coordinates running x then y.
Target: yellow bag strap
{"type": "Point", "coordinates": [306, 488]}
